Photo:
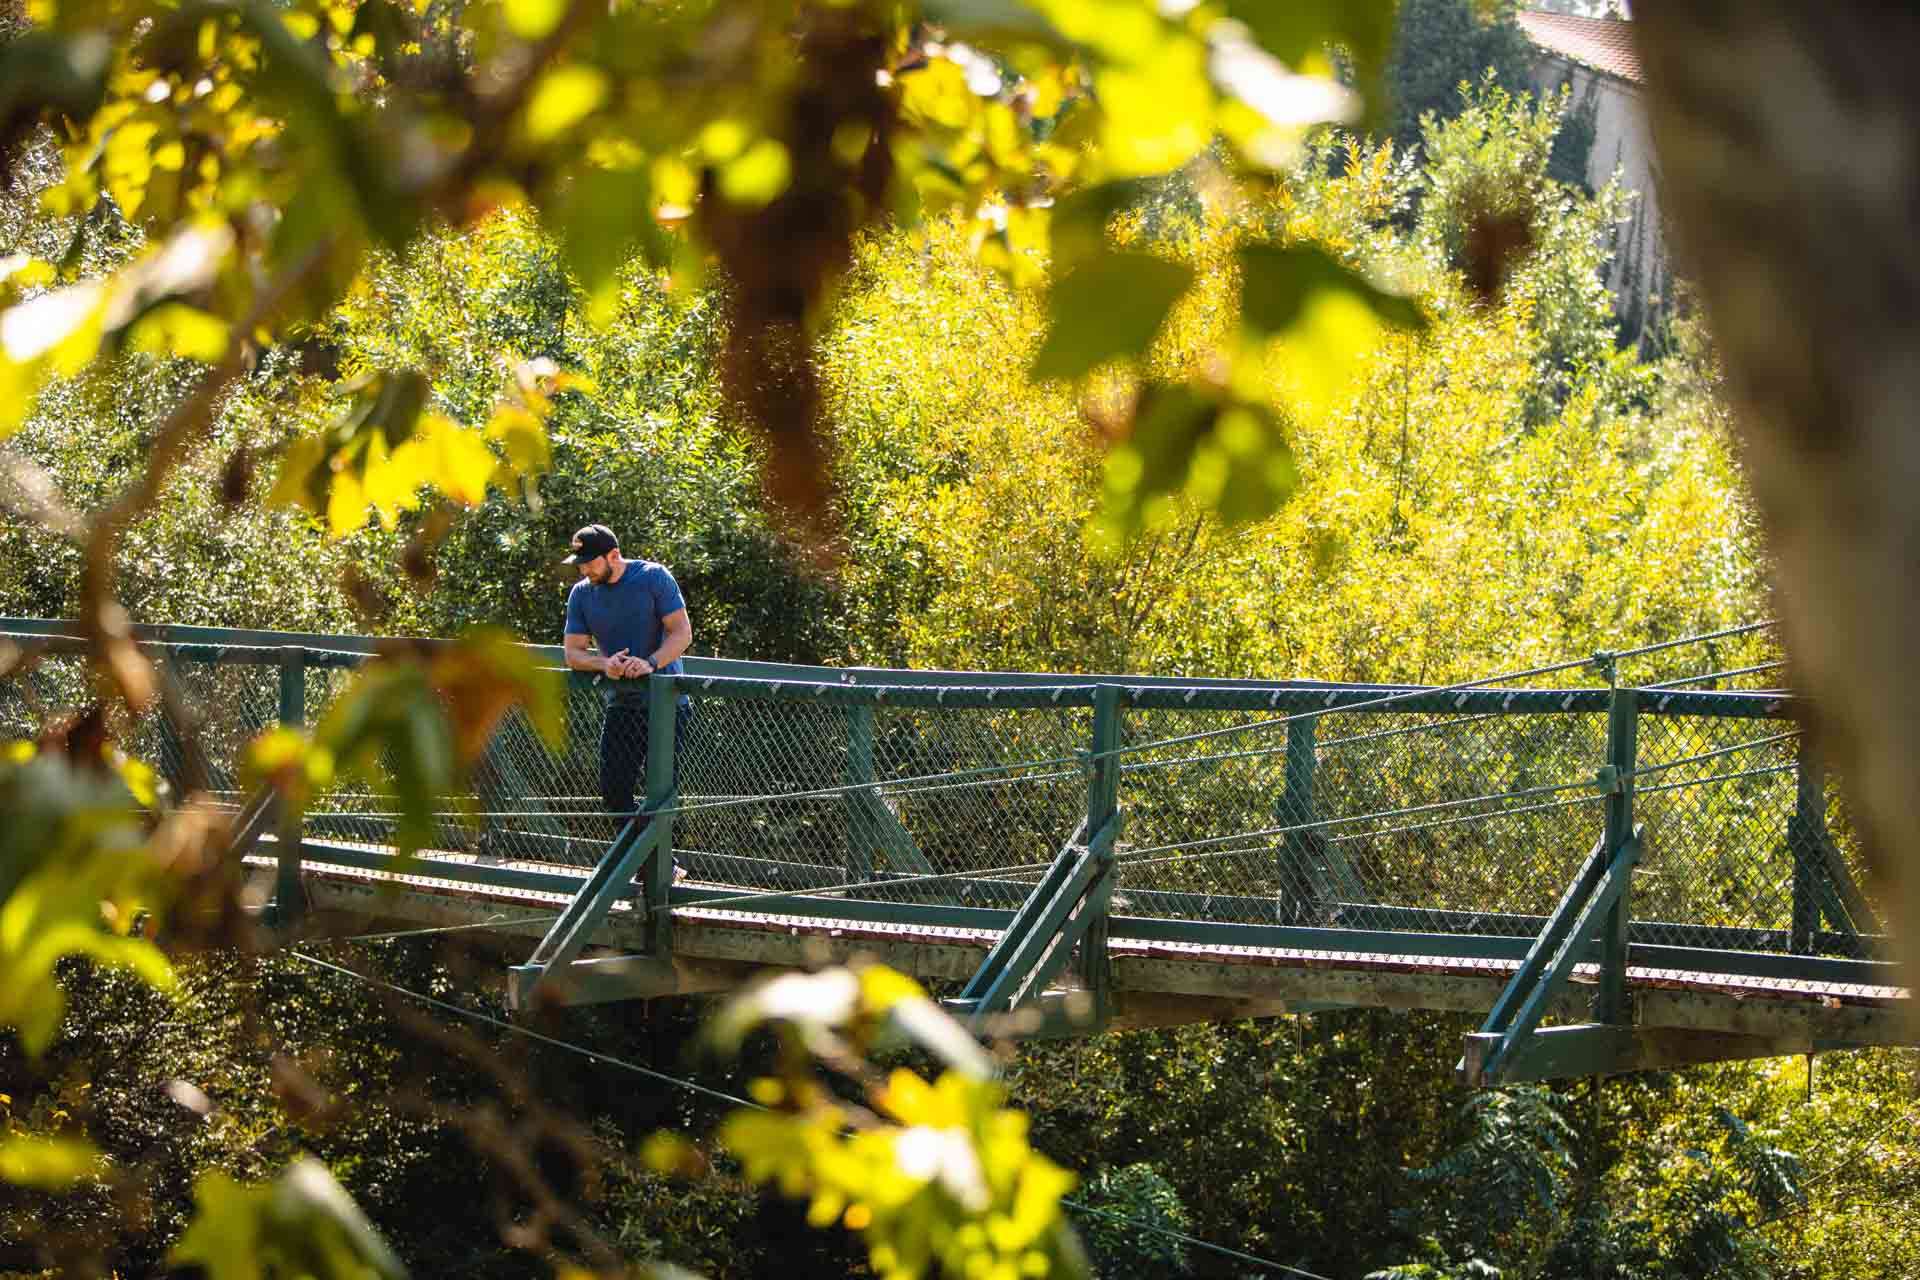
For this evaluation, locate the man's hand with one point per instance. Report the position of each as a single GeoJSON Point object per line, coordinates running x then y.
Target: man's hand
{"type": "Point", "coordinates": [616, 665]}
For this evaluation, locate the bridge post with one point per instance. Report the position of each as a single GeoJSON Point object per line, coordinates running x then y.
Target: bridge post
{"type": "Point", "coordinates": [663, 772]}
{"type": "Point", "coordinates": [1103, 813]}
{"type": "Point", "coordinates": [1623, 725]}
{"type": "Point", "coordinates": [289, 901]}
{"type": "Point", "coordinates": [1295, 807]}
{"type": "Point", "coordinates": [1068, 908]}
{"type": "Point", "coordinates": [858, 804]}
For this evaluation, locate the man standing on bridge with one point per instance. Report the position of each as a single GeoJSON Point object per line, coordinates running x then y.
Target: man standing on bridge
{"type": "Point", "coordinates": [634, 613]}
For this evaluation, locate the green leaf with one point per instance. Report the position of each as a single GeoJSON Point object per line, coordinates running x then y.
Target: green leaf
{"type": "Point", "coordinates": [1001, 22]}
{"type": "Point", "coordinates": [224, 1236]}
{"type": "Point", "coordinates": [300, 1224]}
{"type": "Point", "coordinates": [1328, 318]}
{"type": "Point", "coordinates": [1228, 456]}
{"type": "Point", "coordinates": [1108, 308]}
{"type": "Point", "coordinates": [46, 1164]}
{"type": "Point", "coordinates": [1278, 283]}
{"type": "Point", "coordinates": [601, 214]}
{"type": "Point", "coordinates": [1079, 222]}
{"type": "Point", "coordinates": [73, 870]}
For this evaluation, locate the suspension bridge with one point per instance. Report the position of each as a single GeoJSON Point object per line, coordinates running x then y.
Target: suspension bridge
{"type": "Point", "coordinates": [1618, 875]}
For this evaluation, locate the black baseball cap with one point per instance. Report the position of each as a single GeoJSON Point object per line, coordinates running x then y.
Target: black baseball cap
{"type": "Point", "coordinates": [591, 543]}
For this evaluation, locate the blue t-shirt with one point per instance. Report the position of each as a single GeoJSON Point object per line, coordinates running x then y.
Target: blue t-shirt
{"type": "Point", "coordinates": [629, 613]}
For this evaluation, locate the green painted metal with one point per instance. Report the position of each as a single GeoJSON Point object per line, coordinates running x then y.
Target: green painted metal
{"type": "Point", "coordinates": [1596, 1048]}
{"type": "Point", "coordinates": [630, 851]}
{"type": "Point", "coordinates": [978, 770]}
{"type": "Point", "coordinates": [872, 828]}
{"type": "Point", "coordinates": [1146, 692]}
{"type": "Point", "coordinates": [1104, 820]}
{"type": "Point", "coordinates": [1623, 720]}
{"type": "Point", "coordinates": [289, 903]}
{"type": "Point", "coordinates": [1585, 913]}
{"type": "Point", "coordinates": [486, 875]}
{"type": "Point", "coordinates": [662, 788]}
{"type": "Point", "coordinates": [1069, 906]}
{"type": "Point", "coordinates": [1823, 887]}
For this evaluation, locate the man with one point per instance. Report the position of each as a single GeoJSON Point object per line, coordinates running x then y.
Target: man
{"type": "Point", "coordinates": [634, 613]}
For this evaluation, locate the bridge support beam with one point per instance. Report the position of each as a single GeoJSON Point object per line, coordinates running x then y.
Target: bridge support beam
{"type": "Point", "coordinates": [1595, 908]}
{"type": "Point", "coordinates": [1600, 1049]}
{"type": "Point", "coordinates": [641, 854]}
{"type": "Point", "coordinates": [1069, 907]}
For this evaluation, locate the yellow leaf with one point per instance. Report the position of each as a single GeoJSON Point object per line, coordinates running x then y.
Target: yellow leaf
{"type": "Point", "coordinates": [346, 504]}
{"type": "Point", "coordinates": [19, 384]}
{"type": "Point", "coordinates": [534, 19]}
{"type": "Point", "coordinates": [46, 1164]}
{"type": "Point", "coordinates": [461, 462]}
{"type": "Point", "coordinates": [758, 175]}
{"type": "Point", "coordinates": [937, 93]}
{"type": "Point", "coordinates": [1158, 113]}
{"type": "Point", "coordinates": [174, 328]}
{"type": "Point", "coordinates": [141, 780]}
{"type": "Point", "coordinates": [564, 97]}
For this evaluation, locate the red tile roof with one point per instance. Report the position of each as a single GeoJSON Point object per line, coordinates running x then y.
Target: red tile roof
{"type": "Point", "coordinates": [1605, 44]}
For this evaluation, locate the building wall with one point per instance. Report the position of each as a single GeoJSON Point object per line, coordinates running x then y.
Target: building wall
{"type": "Point", "coordinates": [1640, 275]}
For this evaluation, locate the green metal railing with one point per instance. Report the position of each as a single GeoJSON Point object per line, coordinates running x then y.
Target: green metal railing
{"type": "Point", "coordinates": [1386, 820]}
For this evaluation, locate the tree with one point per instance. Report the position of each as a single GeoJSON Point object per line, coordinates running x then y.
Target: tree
{"type": "Point", "coordinates": [1440, 46]}
{"type": "Point", "coordinates": [1807, 276]}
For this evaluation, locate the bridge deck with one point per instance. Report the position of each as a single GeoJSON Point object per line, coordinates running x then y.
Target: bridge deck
{"type": "Point", "coordinates": [1155, 982]}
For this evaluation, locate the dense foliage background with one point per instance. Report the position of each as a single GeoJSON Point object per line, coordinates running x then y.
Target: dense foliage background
{"type": "Point", "coordinates": [1502, 488]}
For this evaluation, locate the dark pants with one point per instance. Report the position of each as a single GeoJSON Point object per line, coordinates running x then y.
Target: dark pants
{"type": "Point", "coordinates": [623, 752]}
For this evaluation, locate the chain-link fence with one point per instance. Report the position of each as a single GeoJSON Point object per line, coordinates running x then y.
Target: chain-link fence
{"type": "Point", "coordinates": [1332, 808]}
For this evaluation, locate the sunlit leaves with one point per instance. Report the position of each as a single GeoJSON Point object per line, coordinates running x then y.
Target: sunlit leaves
{"type": "Point", "coordinates": [937, 1176]}
{"type": "Point", "coordinates": [386, 449]}
{"type": "Point", "coordinates": [300, 1224]}
{"type": "Point", "coordinates": [47, 1164]}
{"type": "Point", "coordinates": [59, 332]}
{"type": "Point", "coordinates": [1108, 308]}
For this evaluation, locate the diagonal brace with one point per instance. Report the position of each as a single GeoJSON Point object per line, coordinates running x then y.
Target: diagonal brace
{"type": "Point", "coordinates": [631, 851]}
{"type": "Point", "coordinates": [1575, 924]}
{"type": "Point", "coordinates": [1072, 896]}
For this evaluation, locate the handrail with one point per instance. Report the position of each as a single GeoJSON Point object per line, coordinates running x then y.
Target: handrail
{"type": "Point", "coordinates": [238, 644]}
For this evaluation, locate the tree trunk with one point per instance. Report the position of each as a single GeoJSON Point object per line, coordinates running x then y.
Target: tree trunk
{"type": "Point", "coordinates": [1789, 135]}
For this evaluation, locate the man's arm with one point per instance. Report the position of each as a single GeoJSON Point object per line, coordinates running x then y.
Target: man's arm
{"type": "Point", "coordinates": [679, 634]}
{"type": "Point", "coordinates": [612, 666]}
